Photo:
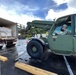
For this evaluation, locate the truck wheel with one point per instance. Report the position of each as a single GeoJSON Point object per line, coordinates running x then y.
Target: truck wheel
{"type": "Point", "coordinates": [1, 47]}
{"type": "Point", "coordinates": [35, 49]}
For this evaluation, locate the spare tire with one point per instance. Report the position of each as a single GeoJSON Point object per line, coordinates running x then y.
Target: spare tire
{"type": "Point", "coordinates": [35, 49]}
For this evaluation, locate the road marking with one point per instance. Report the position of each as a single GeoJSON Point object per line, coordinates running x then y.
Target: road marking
{"type": "Point", "coordinates": [68, 66]}
{"type": "Point", "coordinates": [20, 53]}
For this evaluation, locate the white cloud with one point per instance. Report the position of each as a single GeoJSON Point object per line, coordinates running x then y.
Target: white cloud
{"type": "Point", "coordinates": [14, 16]}
{"type": "Point", "coordinates": [53, 14]}
{"type": "Point", "coordinates": [72, 3]}
{"type": "Point", "coordinates": [58, 2]}
{"type": "Point", "coordinates": [20, 7]}
{"type": "Point", "coordinates": [70, 10]}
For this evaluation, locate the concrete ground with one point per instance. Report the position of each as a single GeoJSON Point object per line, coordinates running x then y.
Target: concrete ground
{"type": "Point", "coordinates": [54, 63]}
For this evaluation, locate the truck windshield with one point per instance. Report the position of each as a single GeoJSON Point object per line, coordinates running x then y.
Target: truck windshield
{"type": "Point", "coordinates": [58, 30]}
{"type": "Point", "coordinates": [63, 26]}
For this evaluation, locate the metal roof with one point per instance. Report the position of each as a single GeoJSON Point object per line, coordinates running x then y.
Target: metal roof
{"type": "Point", "coordinates": [4, 21]}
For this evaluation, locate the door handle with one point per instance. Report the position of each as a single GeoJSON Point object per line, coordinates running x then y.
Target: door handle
{"type": "Point", "coordinates": [54, 38]}
{"type": "Point", "coordinates": [74, 35]}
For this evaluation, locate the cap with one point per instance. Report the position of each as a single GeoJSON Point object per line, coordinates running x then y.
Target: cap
{"type": "Point", "coordinates": [64, 25]}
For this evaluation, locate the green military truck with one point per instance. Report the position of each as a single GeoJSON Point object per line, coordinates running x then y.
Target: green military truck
{"type": "Point", "coordinates": [57, 42]}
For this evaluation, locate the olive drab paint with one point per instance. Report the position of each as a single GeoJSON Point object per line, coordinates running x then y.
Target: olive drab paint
{"type": "Point", "coordinates": [58, 41]}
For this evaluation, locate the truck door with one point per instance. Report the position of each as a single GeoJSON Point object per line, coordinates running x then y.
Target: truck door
{"type": "Point", "coordinates": [59, 42]}
{"type": "Point", "coordinates": [74, 34]}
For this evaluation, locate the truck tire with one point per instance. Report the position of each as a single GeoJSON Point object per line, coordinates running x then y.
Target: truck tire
{"type": "Point", "coordinates": [1, 47]}
{"type": "Point", "coordinates": [11, 45]}
{"type": "Point", "coordinates": [35, 49]}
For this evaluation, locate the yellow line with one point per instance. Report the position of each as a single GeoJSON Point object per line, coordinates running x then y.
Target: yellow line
{"type": "Point", "coordinates": [33, 70]}
{"type": "Point", "coordinates": [2, 58]}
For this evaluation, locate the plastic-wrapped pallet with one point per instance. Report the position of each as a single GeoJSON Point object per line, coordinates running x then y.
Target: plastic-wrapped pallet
{"type": "Point", "coordinates": [5, 31]}
{"type": "Point", "coordinates": [3, 34]}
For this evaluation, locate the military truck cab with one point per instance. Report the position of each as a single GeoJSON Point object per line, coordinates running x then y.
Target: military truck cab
{"type": "Point", "coordinates": [61, 42]}
{"type": "Point", "coordinates": [61, 38]}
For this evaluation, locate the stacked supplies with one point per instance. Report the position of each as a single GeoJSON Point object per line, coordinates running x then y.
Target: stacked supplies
{"type": "Point", "coordinates": [4, 31]}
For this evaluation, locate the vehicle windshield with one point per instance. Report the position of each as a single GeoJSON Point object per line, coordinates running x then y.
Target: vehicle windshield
{"type": "Point", "coordinates": [58, 30]}
{"type": "Point", "coordinates": [60, 23]}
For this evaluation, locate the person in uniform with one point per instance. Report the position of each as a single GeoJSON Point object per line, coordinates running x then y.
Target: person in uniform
{"type": "Point", "coordinates": [64, 30]}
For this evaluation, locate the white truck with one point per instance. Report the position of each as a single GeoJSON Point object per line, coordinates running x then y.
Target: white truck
{"type": "Point", "coordinates": [8, 33]}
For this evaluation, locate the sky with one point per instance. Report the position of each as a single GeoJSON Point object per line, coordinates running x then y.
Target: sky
{"type": "Point", "coordinates": [23, 11]}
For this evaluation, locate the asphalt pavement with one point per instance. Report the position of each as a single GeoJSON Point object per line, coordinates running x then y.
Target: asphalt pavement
{"type": "Point", "coordinates": [53, 63]}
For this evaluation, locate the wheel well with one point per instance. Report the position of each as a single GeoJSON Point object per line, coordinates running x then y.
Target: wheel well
{"type": "Point", "coordinates": [42, 43]}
